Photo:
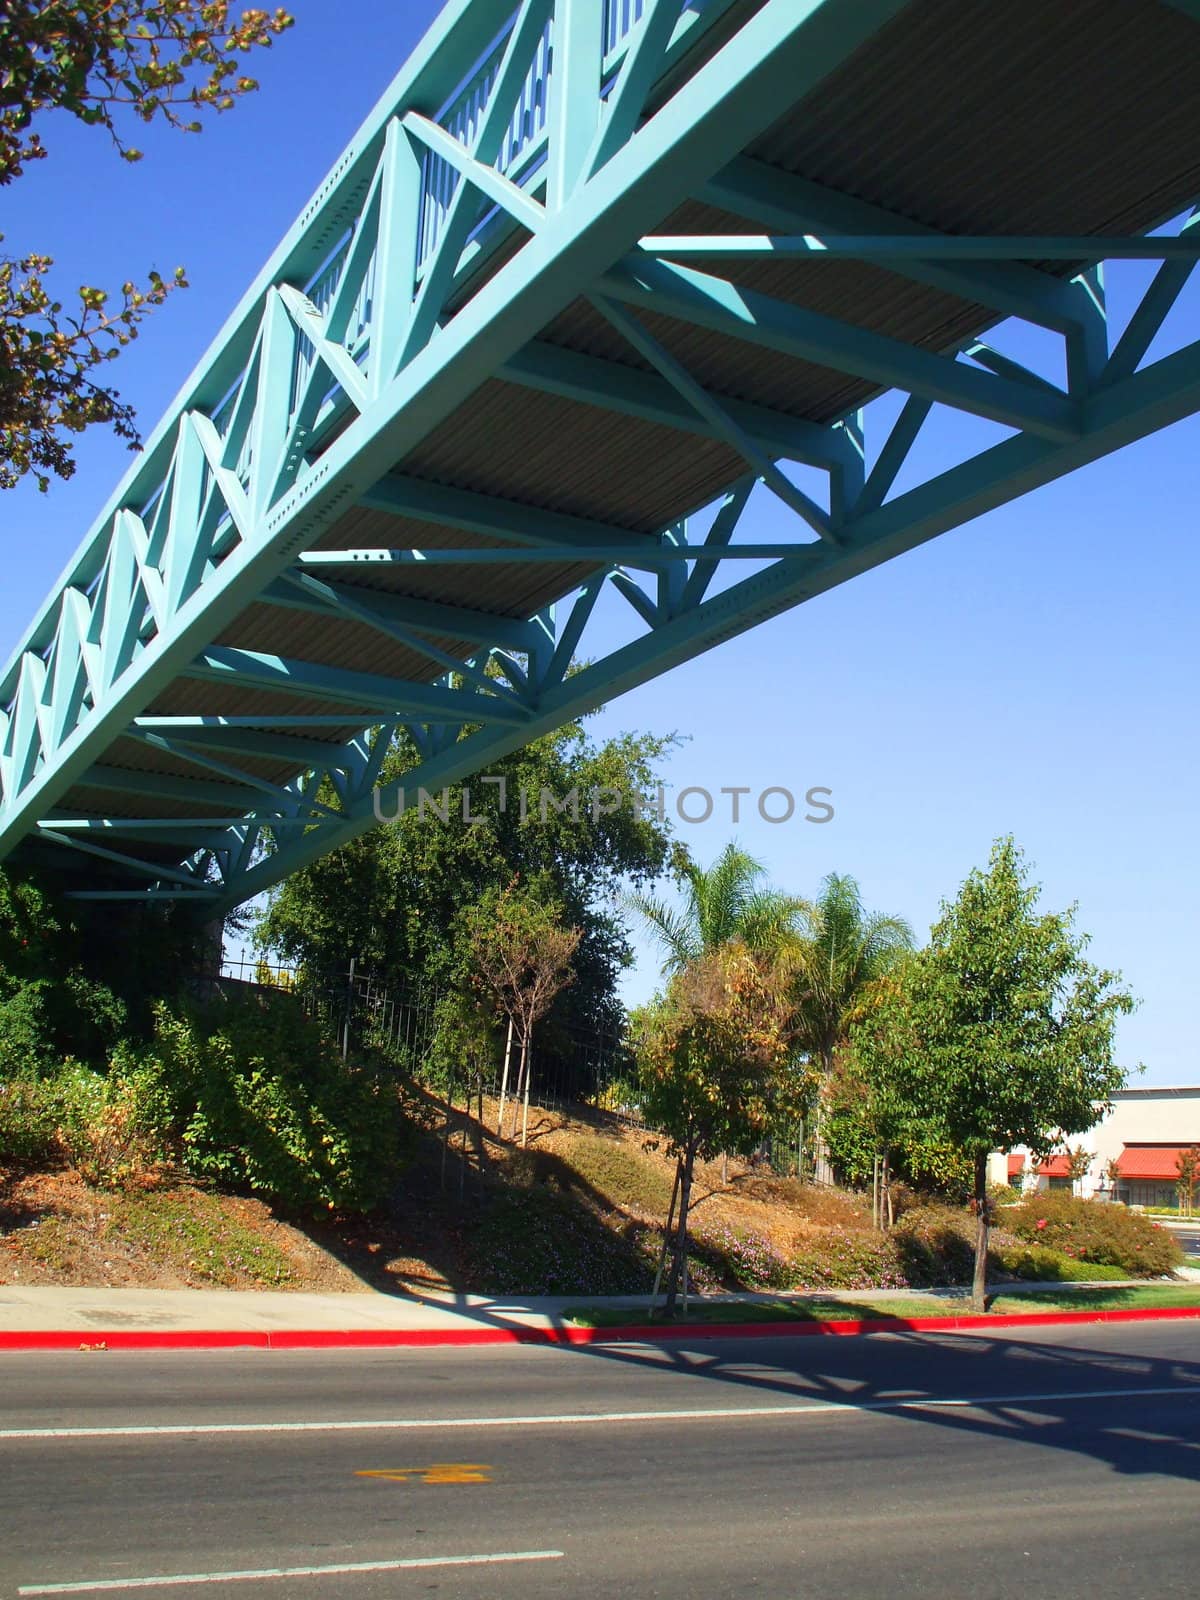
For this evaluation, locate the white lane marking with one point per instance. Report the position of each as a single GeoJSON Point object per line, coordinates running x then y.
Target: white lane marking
{"type": "Point", "coordinates": [95, 1585]}
{"type": "Point", "coordinates": [571, 1419]}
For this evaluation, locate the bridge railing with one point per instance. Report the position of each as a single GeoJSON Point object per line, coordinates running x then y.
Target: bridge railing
{"type": "Point", "coordinates": [523, 151]}
{"type": "Point", "coordinates": [461, 118]}
{"type": "Point", "coordinates": [522, 159]}
{"type": "Point", "coordinates": [239, 476]}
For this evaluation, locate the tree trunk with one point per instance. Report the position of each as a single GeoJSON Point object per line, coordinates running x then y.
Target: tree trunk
{"type": "Point", "coordinates": [875, 1222]}
{"type": "Point", "coordinates": [887, 1189]}
{"type": "Point", "coordinates": [822, 1168]}
{"type": "Point", "coordinates": [504, 1080]}
{"type": "Point", "coordinates": [688, 1162]}
{"type": "Point", "coordinates": [525, 1076]}
{"type": "Point", "coordinates": [519, 1090]}
{"type": "Point", "coordinates": [982, 1228]}
{"type": "Point", "coordinates": [666, 1243]}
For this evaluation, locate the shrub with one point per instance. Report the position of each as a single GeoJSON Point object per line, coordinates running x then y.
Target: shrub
{"type": "Point", "coordinates": [1038, 1263]}
{"type": "Point", "coordinates": [1095, 1231]}
{"type": "Point", "coordinates": [936, 1245]}
{"type": "Point", "coordinates": [842, 1259]}
{"type": "Point", "coordinates": [48, 1008]}
{"type": "Point", "coordinates": [742, 1260]}
{"type": "Point", "coordinates": [105, 1126]}
{"type": "Point", "coordinates": [28, 1120]}
{"type": "Point", "coordinates": [253, 1094]}
{"type": "Point", "coordinates": [112, 1128]}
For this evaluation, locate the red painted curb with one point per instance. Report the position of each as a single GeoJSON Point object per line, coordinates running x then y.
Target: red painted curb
{"type": "Point", "coordinates": [394, 1338]}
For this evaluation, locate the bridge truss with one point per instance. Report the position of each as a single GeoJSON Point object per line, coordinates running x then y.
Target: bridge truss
{"type": "Point", "coordinates": [588, 269]}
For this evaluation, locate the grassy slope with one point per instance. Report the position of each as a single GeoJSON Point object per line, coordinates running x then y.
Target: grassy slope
{"type": "Point", "coordinates": [577, 1212]}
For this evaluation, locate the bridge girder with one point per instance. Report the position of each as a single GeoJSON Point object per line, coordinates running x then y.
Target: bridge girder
{"type": "Point", "coordinates": [462, 241]}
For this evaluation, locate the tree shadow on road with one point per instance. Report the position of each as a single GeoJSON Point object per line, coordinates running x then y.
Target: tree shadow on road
{"type": "Point", "coordinates": [1026, 1389]}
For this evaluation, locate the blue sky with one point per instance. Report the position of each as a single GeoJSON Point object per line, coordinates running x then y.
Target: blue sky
{"type": "Point", "coordinates": [1032, 673]}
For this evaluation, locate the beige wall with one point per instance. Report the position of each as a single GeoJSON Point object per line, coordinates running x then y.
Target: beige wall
{"type": "Point", "coordinates": [1138, 1116]}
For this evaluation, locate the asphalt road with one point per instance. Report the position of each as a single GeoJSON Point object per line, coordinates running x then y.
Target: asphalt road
{"type": "Point", "coordinates": [1062, 1462]}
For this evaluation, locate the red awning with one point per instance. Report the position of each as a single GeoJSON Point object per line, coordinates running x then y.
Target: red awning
{"type": "Point", "coordinates": [1016, 1166]}
{"type": "Point", "coordinates": [1055, 1167]}
{"type": "Point", "coordinates": [1150, 1161]}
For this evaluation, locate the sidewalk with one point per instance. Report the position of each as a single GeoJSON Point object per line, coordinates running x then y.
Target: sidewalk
{"type": "Point", "coordinates": [217, 1318]}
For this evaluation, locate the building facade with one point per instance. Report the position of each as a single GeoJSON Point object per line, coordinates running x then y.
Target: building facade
{"type": "Point", "coordinates": [1134, 1151]}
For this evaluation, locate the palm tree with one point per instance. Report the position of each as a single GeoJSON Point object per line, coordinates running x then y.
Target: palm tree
{"type": "Point", "coordinates": [723, 902]}
{"type": "Point", "coordinates": [848, 949]}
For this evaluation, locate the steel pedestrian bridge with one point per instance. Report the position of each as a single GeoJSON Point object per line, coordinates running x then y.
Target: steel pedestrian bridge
{"type": "Point", "coordinates": [588, 268]}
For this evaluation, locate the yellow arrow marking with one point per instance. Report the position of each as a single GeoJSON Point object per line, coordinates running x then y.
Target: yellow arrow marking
{"type": "Point", "coordinates": [438, 1472]}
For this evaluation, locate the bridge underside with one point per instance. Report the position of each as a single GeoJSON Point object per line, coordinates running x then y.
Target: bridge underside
{"type": "Point", "coordinates": [571, 285]}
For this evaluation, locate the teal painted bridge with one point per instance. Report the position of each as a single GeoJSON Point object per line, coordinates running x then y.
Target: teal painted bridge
{"type": "Point", "coordinates": [591, 273]}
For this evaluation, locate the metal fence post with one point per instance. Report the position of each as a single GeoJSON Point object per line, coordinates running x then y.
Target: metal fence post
{"type": "Point", "coordinates": [349, 1010]}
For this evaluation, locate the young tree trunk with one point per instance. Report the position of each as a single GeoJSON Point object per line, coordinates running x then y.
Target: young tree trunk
{"type": "Point", "coordinates": [887, 1189]}
{"type": "Point", "coordinates": [688, 1162]}
{"type": "Point", "coordinates": [666, 1242]}
{"type": "Point", "coordinates": [525, 1076]}
{"type": "Point", "coordinates": [822, 1167]}
{"type": "Point", "coordinates": [982, 1225]}
{"type": "Point", "coordinates": [875, 1222]}
{"type": "Point", "coordinates": [504, 1079]}
{"type": "Point", "coordinates": [519, 1089]}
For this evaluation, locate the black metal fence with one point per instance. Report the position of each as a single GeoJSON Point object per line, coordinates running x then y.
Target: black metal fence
{"type": "Point", "coordinates": [404, 1022]}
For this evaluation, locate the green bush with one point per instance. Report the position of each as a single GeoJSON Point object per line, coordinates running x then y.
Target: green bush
{"type": "Point", "coordinates": [28, 1120]}
{"type": "Point", "coordinates": [1037, 1263]}
{"type": "Point", "coordinates": [254, 1095]}
{"type": "Point", "coordinates": [936, 1245]}
{"type": "Point", "coordinates": [49, 1009]}
{"type": "Point", "coordinates": [1095, 1231]}
{"type": "Point", "coordinates": [107, 1126]}
{"type": "Point", "coordinates": [112, 1127]}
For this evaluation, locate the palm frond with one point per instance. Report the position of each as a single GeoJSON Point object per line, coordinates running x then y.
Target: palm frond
{"type": "Point", "coordinates": [671, 927]}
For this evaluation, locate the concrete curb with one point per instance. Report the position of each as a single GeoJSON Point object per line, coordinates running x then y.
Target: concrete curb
{"type": "Point", "coordinates": [395, 1338]}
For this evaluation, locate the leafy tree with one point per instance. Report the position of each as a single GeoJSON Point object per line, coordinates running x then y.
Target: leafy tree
{"type": "Point", "coordinates": [717, 1059]}
{"type": "Point", "coordinates": [721, 904]}
{"type": "Point", "coordinates": [1079, 1163]}
{"type": "Point", "coordinates": [522, 953]}
{"type": "Point", "coordinates": [96, 59]}
{"type": "Point", "coordinates": [1187, 1167]}
{"type": "Point", "coordinates": [724, 902]}
{"type": "Point", "coordinates": [1006, 1036]}
{"type": "Point", "coordinates": [873, 1129]}
{"type": "Point", "coordinates": [392, 898]}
